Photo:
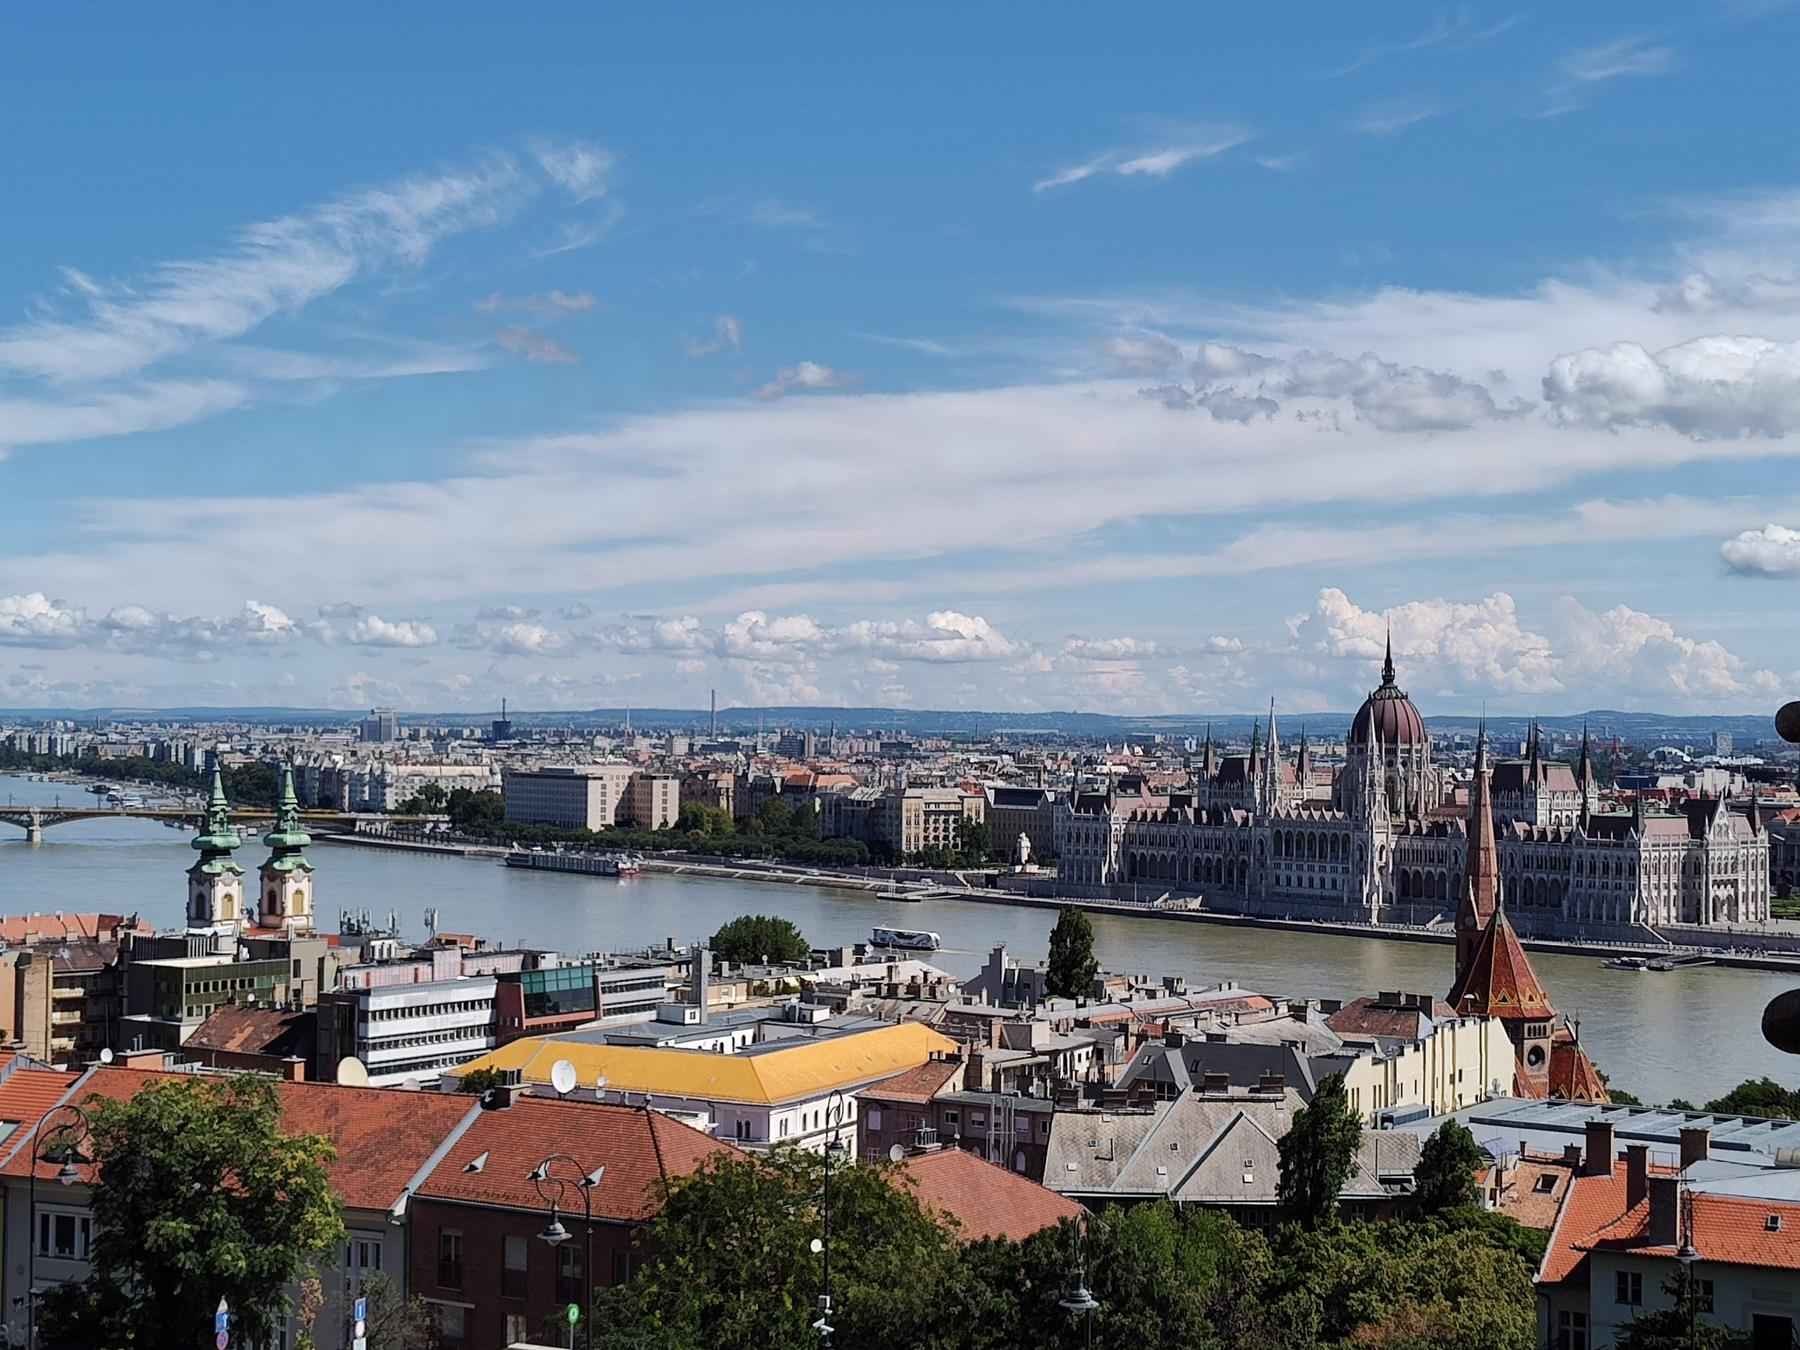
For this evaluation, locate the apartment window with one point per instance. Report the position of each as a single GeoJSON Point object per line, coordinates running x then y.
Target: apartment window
{"type": "Point", "coordinates": [1545, 1183]}
{"type": "Point", "coordinates": [874, 1117]}
{"type": "Point", "coordinates": [1571, 1331]}
{"type": "Point", "coordinates": [516, 1328]}
{"type": "Point", "coordinates": [450, 1258]}
{"type": "Point", "coordinates": [1628, 1288]}
{"type": "Point", "coordinates": [1703, 1295]}
{"type": "Point", "coordinates": [362, 1256]}
{"type": "Point", "coordinates": [63, 1234]}
{"type": "Point", "coordinates": [512, 1268]}
{"type": "Point", "coordinates": [952, 1117]}
{"type": "Point", "coordinates": [568, 1274]}
{"type": "Point", "coordinates": [453, 1324]}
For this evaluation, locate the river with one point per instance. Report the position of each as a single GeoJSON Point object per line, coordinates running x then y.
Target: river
{"type": "Point", "coordinates": [1692, 1034]}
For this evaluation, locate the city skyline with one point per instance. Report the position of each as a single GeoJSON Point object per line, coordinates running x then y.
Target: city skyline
{"type": "Point", "coordinates": [790, 371]}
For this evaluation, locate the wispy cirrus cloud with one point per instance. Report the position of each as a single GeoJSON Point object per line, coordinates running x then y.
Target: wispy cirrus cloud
{"type": "Point", "coordinates": [109, 330]}
{"type": "Point", "coordinates": [1392, 116]}
{"type": "Point", "coordinates": [1183, 146]}
{"type": "Point", "coordinates": [727, 335]}
{"type": "Point", "coordinates": [535, 346]}
{"type": "Point", "coordinates": [1627, 56]}
{"type": "Point", "coordinates": [579, 168]}
{"type": "Point", "coordinates": [802, 376]}
{"type": "Point", "coordinates": [547, 305]}
{"type": "Point", "coordinates": [1458, 30]}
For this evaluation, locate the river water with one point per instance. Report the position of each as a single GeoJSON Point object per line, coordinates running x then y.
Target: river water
{"type": "Point", "coordinates": [1692, 1034]}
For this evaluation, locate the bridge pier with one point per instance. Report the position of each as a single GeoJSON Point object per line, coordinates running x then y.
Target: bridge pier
{"type": "Point", "coordinates": [34, 833]}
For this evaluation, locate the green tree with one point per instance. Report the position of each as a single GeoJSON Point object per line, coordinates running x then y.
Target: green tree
{"type": "Point", "coordinates": [1072, 965]}
{"type": "Point", "coordinates": [974, 842]}
{"type": "Point", "coordinates": [761, 937]}
{"type": "Point", "coordinates": [1445, 1176]}
{"type": "Point", "coordinates": [430, 800]}
{"type": "Point", "coordinates": [774, 817]}
{"type": "Point", "coordinates": [1678, 1326]}
{"type": "Point", "coordinates": [1757, 1097]}
{"type": "Point", "coordinates": [476, 813]}
{"type": "Point", "coordinates": [477, 1081]}
{"type": "Point", "coordinates": [729, 1263]}
{"type": "Point", "coordinates": [198, 1195]}
{"type": "Point", "coordinates": [698, 818]}
{"type": "Point", "coordinates": [1318, 1154]}
{"type": "Point", "coordinates": [396, 1322]}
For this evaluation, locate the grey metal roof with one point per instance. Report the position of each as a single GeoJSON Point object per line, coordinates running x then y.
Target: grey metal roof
{"type": "Point", "coordinates": [1547, 1126]}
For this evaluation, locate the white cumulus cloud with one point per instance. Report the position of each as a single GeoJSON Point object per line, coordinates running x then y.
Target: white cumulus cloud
{"type": "Point", "coordinates": [1772, 551]}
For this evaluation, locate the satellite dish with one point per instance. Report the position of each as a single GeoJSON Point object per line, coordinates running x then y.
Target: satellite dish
{"type": "Point", "coordinates": [897, 1153]}
{"type": "Point", "coordinates": [106, 1056]}
{"type": "Point", "coordinates": [816, 1246]}
{"type": "Point", "coordinates": [562, 1077]}
{"type": "Point", "coordinates": [351, 1072]}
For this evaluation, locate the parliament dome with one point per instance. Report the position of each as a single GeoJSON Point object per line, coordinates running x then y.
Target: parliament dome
{"type": "Point", "coordinates": [1388, 713]}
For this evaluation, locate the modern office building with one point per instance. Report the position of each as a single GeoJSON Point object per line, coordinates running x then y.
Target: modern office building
{"type": "Point", "coordinates": [568, 796]}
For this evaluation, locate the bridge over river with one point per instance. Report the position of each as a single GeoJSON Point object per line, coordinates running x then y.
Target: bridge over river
{"type": "Point", "coordinates": [34, 820]}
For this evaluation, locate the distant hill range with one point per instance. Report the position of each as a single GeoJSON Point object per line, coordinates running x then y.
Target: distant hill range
{"type": "Point", "coordinates": [1638, 728]}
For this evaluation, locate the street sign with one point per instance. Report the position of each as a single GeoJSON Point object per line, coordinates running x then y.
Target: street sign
{"type": "Point", "coordinates": [362, 1310]}
{"type": "Point", "coordinates": [222, 1339]}
{"type": "Point", "coordinates": [359, 1344]}
{"type": "Point", "coordinates": [574, 1313]}
{"type": "Point", "coordinates": [360, 1330]}
{"type": "Point", "coordinates": [222, 1318]}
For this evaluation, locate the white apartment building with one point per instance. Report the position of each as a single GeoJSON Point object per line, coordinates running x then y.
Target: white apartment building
{"type": "Point", "coordinates": [406, 1033]}
{"type": "Point", "coordinates": [568, 796]}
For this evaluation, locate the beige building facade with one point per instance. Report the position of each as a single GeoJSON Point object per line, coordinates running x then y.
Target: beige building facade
{"type": "Point", "coordinates": [568, 796]}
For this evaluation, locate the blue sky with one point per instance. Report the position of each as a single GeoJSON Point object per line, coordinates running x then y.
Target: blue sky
{"type": "Point", "coordinates": [957, 356]}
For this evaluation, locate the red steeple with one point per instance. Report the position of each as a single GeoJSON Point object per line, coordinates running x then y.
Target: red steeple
{"type": "Point", "coordinates": [1481, 869]}
{"type": "Point", "coordinates": [1499, 981]}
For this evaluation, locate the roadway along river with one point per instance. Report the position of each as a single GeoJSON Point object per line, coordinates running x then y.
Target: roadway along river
{"type": "Point", "coordinates": [1691, 1034]}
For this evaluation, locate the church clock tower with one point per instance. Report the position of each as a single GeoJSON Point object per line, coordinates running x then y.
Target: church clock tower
{"type": "Point", "coordinates": [215, 881]}
{"type": "Point", "coordinates": [287, 899]}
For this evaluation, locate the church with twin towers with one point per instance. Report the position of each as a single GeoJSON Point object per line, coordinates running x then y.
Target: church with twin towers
{"type": "Point", "coordinates": [1386, 840]}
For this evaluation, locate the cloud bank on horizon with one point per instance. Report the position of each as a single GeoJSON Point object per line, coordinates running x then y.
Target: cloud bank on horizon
{"type": "Point", "coordinates": [609, 415]}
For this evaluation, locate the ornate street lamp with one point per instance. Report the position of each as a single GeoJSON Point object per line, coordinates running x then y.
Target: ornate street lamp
{"type": "Point", "coordinates": [552, 1188]}
{"type": "Point", "coordinates": [57, 1145]}
{"type": "Point", "coordinates": [835, 1110]}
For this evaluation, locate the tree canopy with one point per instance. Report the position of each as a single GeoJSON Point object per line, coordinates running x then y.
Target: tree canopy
{"type": "Point", "coordinates": [198, 1195]}
{"type": "Point", "coordinates": [1318, 1154]}
{"type": "Point", "coordinates": [1757, 1097]}
{"type": "Point", "coordinates": [1445, 1176]}
{"type": "Point", "coordinates": [761, 937]}
{"type": "Point", "coordinates": [729, 1264]}
{"type": "Point", "coordinates": [1072, 965]}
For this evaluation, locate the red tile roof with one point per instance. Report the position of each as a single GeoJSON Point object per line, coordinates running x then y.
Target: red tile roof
{"type": "Point", "coordinates": [640, 1149]}
{"type": "Point", "coordinates": [382, 1136]}
{"type": "Point", "coordinates": [1500, 980]}
{"type": "Point", "coordinates": [255, 1031]}
{"type": "Point", "coordinates": [984, 1200]}
{"type": "Point", "coordinates": [29, 928]}
{"type": "Point", "coordinates": [1573, 1076]}
{"type": "Point", "coordinates": [1729, 1229]}
{"type": "Point", "coordinates": [27, 1094]}
{"type": "Point", "coordinates": [1370, 1017]}
{"type": "Point", "coordinates": [918, 1084]}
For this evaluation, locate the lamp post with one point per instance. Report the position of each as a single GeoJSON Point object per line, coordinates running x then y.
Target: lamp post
{"type": "Point", "coordinates": [68, 1174]}
{"type": "Point", "coordinates": [551, 1188]}
{"type": "Point", "coordinates": [1078, 1300]}
{"type": "Point", "coordinates": [1688, 1255]}
{"type": "Point", "coordinates": [835, 1110]}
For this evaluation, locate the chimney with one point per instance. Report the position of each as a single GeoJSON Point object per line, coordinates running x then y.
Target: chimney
{"type": "Point", "coordinates": [1664, 1229]}
{"type": "Point", "coordinates": [1598, 1160]}
{"type": "Point", "coordinates": [1696, 1145]}
{"type": "Point", "coordinates": [702, 968]}
{"type": "Point", "coordinates": [1215, 1082]}
{"type": "Point", "coordinates": [1272, 1082]}
{"type": "Point", "coordinates": [1572, 1156]}
{"type": "Point", "coordinates": [1174, 1039]}
{"type": "Point", "coordinates": [1637, 1173]}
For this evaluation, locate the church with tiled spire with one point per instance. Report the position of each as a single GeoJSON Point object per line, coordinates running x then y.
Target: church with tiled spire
{"type": "Point", "coordinates": [287, 875]}
{"type": "Point", "coordinates": [215, 881]}
{"type": "Point", "coordinates": [1494, 976]}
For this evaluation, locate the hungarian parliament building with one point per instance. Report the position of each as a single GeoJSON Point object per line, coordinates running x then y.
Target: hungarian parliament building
{"type": "Point", "coordinates": [1386, 840]}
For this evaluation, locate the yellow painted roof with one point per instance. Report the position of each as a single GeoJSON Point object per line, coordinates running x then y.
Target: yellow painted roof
{"type": "Point", "coordinates": [806, 1069]}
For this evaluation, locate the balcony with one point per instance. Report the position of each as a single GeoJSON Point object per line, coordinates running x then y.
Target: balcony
{"type": "Point", "coordinates": [65, 1017]}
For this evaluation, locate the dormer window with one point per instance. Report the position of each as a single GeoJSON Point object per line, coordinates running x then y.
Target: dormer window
{"type": "Point", "coordinates": [1772, 1224]}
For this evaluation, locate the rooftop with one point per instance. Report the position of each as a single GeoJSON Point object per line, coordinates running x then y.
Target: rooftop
{"type": "Point", "coordinates": [983, 1200]}
{"type": "Point", "coordinates": [781, 1073]}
